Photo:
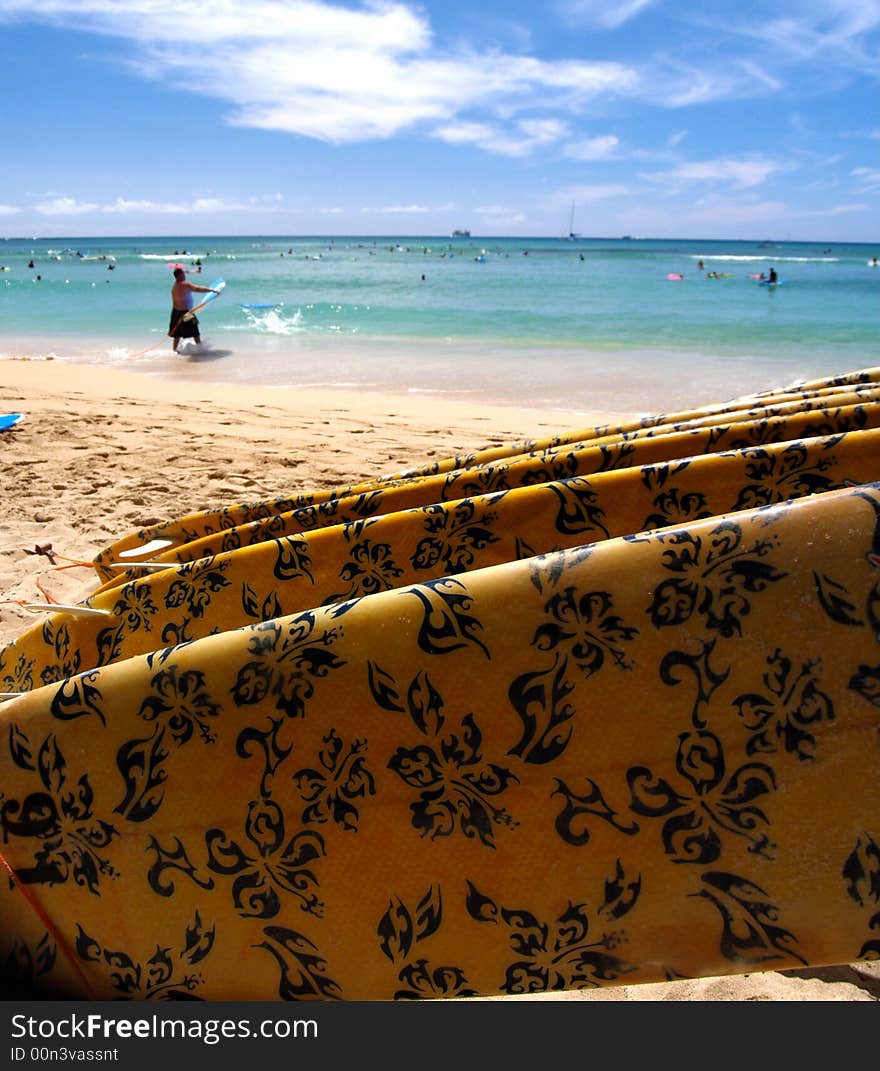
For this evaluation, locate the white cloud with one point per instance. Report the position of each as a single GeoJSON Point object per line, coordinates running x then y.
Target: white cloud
{"type": "Point", "coordinates": [520, 140]}
{"type": "Point", "coordinates": [214, 204]}
{"type": "Point", "coordinates": [69, 206]}
{"type": "Point", "coordinates": [334, 211]}
{"type": "Point", "coordinates": [410, 209]}
{"type": "Point", "coordinates": [742, 173]}
{"type": "Point", "coordinates": [333, 72]}
{"type": "Point", "coordinates": [358, 96]}
{"type": "Point", "coordinates": [405, 210]}
{"type": "Point", "coordinates": [466, 133]}
{"type": "Point", "coordinates": [64, 206]}
{"type": "Point", "coordinates": [600, 148]}
{"type": "Point", "coordinates": [165, 21]}
{"type": "Point", "coordinates": [542, 131]}
{"type": "Point", "coordinates": [124, 206]}
{"type": "Point", "coordinates": [9, 210]}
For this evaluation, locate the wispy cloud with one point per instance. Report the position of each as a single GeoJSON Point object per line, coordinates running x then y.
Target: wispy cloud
{"type": "Point", "coordinates": [401, 210]}
{"type": "Point", "coordinates": [686, 83]}
{"type": "Point", "coordinates": [599, 148]}
{"type": "Point", "coordinates": [9, 210]}
{"type": "Point", "coordinates": [599, 13]}
{"type": "Point", "coordinates": [717, 210]}
{"type": "Point", "coordinates": [519, 140]}
{"type": "Point", "coordinates": [743, 173]}
{"type": "Point", "coordinates": [64, 206]}
{"type": "Point", "coordinates": [744, 215]}
{"type": "Point", "coordinates": [588, 194]}
{"type": "Point", "coordinates": [835, 32]}
{"type": "Point", "coordinates": [70, 206]}
{"type": "Point", "coordinates": [841, 210]}
{"type": "Point", "coordinates": [500, 215]}
{"type": "Point", "coordinates": [868, 178]}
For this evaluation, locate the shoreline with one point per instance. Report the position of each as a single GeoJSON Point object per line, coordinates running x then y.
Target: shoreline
{"type": "Point", "coordinates": [53, 375]}
{"type": "Point", "coordinates": [102, 452]}
{"type": "Point", "coordinates": [571, 382]}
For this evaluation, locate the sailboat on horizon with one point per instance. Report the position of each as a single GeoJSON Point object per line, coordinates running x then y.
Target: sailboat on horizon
{"type": "Point", "coordinates": [572, 234]}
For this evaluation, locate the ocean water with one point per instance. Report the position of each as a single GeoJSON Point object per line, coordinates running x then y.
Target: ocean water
{"type": "Point", "coordinates": [556, 323]}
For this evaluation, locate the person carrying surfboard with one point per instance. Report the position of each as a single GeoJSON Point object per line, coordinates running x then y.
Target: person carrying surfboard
{"type": "Point", "coordinates": [181, 302]}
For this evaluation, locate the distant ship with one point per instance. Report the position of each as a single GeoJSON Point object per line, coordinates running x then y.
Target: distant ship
{"type": "Point", "coordinates": [461, 234]}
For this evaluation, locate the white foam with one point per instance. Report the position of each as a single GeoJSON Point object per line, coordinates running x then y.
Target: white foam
{"type": "Point", "coordinates": [274, 322]}
{"type": "Point", "coordinates": [762, 256]}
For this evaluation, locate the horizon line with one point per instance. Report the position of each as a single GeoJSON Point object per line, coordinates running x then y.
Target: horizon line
{"type": "Point", "coordinates": [434, 237]}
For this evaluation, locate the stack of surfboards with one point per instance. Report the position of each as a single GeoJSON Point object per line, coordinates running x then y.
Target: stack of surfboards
{"type": "Point", "coordinates": [595, 710]}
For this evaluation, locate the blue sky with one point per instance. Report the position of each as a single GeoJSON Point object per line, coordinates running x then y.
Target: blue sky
{"type": "Point", "coordinates": [651, 118]}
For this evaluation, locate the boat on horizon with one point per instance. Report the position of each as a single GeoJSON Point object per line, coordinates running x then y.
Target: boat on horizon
{"type": "Point", "coordinates": [572, 234]}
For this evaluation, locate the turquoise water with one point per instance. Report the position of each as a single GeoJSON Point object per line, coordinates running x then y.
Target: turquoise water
{"type": "Point", "coordinates": [507, 319]}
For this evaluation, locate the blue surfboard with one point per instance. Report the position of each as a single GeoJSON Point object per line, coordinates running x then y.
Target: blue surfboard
{"type": "Point", "coordinates": [218, 284]}
{"type": "Point", "coordinates": [9, 420]}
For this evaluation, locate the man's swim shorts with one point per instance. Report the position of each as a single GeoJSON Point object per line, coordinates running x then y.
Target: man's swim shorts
{"type": "Point", "coordinates": [180, 328]}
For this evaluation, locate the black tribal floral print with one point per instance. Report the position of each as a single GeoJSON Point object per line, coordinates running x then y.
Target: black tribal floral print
{"type": "Point", "coordinates": [590, 711]}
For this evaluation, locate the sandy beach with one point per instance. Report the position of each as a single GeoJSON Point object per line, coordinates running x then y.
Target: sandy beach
{"type": "Point", "coordinates": [103, 452]}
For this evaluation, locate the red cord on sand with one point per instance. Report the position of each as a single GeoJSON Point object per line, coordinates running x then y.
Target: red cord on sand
{"type": "Point", "coordinates": [49, 597]}
{"type": "Point", "coordinates": [49, 924]}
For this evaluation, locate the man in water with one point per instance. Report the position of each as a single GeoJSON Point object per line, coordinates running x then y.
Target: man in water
{"type": "Point", "coordinates": [181, 302]}
{"type": "Point", "coordinates": [773, 278]}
